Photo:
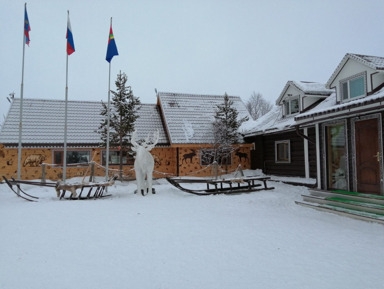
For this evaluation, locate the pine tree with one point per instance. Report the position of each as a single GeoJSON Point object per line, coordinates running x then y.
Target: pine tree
{"type": "Point", "coordinates": [226, 123]}
{"type": "Point", "coordinates": [123, 114]}
{"type": "Point", "coordinates": [225, 129]}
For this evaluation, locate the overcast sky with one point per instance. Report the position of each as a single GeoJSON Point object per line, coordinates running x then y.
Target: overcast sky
{"type": "Point", "coordinates": [197, 46]}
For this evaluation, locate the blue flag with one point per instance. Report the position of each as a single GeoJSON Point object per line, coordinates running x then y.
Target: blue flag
{"type": "Point", "coordinates": [112, 48]}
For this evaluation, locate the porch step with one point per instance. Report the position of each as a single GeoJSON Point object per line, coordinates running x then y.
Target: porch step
{"type": "Point", "coordinates": [353, 196]}
{"type": "Point", "coordinates": [356, 205]}
{"type": "Point", "coordinates": [369, 217]}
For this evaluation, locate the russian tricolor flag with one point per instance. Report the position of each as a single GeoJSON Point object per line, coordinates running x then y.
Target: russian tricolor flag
{"type": "Point", "coordinates": [70, 43]}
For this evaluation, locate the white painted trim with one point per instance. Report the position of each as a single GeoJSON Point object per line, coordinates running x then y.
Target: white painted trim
{"type": "Point", "coordinates": [306, 154]}
{"type": "Point", "coordinates": [288, 142]}
{"type": "Point", "coordinates": [318, 161]}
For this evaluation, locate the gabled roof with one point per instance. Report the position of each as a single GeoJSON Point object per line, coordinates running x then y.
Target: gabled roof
{"type": "Point", "coordinates": [188, 117]}
{"type": "Point", "coordinates": [374, 62]}
{"type": "Point", "coordinates": [307, 87]}
{"type": "Point", "coordinates": [43, 122]}
{"type": "Point", "coordinates": [273, 121]}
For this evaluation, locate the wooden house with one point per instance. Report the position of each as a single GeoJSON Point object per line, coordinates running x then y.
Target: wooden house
{"type": "Point", "coordinates": [184, 122]}
{"type": "Point", "coordinates": [349, 127]}
{"type": "Point", "coordinates": [280, 146]}
{"type": "Point", "coordinates": [333, 133]}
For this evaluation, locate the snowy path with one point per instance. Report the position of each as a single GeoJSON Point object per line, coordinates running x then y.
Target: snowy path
{"type": "Point", "coordinates": [176, 240]}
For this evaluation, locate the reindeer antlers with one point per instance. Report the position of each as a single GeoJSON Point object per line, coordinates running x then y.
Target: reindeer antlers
{"type": "Point", "coordinates": [146, 144]}
{"type": "Point", "coordinates": [154, 141]}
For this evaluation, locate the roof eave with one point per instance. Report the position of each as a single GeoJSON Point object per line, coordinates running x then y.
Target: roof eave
{"type": "Point", "coordinates": [340, 111]}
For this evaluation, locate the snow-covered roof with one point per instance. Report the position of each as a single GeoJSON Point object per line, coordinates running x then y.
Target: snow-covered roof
{"type": "Point", "coordinates": [374, 62]}
{"type": "Point", "coordinates": [327, 109]}
{"type": "Point", "coordinates": [274, 121]}
{"type": "Point", "coordinates": [268, 123]}
{"type": "Point", "coordinates": [43, 122]}
{"type": "Point", "coordinates": [330, 109]}
{"type": "Point", "coordinates": [188, 117]}
{"type": "Point", "coordinates": [307, 87]}
{"type": "Point", "coordinates": [312, 87]}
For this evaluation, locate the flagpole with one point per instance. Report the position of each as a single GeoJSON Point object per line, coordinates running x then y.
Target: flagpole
{"type": "Point", "coordinates": [21, 104]}
{"type": "Point", "coordinates": [65, 116]}
{"type": "Point", "coordinates": [65, 124]}
{"type": "Point", "coordinates": [108, 121]}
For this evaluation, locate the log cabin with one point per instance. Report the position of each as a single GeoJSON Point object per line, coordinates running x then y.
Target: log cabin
{"type": "Point", "coordinates": [184, 122]}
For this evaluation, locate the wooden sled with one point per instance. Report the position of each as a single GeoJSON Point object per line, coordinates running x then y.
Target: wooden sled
{"type": "Point", "coordinates": [95, 190]}
{"type": "Point", "coordinates": [223, 186]}
{"type": "Point", "coordinates": [20, 192]}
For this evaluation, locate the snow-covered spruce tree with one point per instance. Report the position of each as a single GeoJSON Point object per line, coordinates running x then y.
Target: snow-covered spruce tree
{"type": "Point", "coordinates": [123, 114]}
{"type": "Point", "coordinates": [225, 129]}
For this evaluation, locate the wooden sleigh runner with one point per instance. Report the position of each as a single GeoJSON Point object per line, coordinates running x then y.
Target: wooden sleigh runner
{"type": "Point", "coordinates": [86, 190]}
{"type": "Point", "coordinates": [223, 186]}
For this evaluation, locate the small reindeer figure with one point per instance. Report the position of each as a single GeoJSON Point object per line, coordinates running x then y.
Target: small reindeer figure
{"type": "Point", "coordinates": [188, 156]}
{"type": "Point", "coordinates": [241, 155]}
{"type": "Point", "coordinates": [144, 162]}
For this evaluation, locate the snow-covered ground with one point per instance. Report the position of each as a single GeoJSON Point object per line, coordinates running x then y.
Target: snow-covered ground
{"type": "Point", "coordinates": [177, 240]}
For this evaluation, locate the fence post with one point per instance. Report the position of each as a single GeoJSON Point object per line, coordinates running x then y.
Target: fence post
{"type": "Point", "coordinates": [215, 170]}
{"type": "Point", "coordinates": [91, 177]}
{"type": "Point", "coordinates": [43, 177]}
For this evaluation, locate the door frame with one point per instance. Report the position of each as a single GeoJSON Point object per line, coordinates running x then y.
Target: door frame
{"type": "Point", "coordinates": [380, 144]}
{"type": "Point", "coordinates": [325, 151]}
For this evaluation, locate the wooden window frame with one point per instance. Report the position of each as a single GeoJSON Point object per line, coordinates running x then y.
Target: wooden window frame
{"type": "Point", "coordinates": [130, 160]}
{"type": "Point", "coordinates": [345, 96]}
{"type": "Point", "coordinates": [286, 160]}
{"type": "Point", "coordinates": [61, 152]}
{"type": "Point", "coordinates": [288, 106]}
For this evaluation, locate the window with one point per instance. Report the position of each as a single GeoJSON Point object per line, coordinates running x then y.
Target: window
{"type": "Point", "coordinates": [222, 156]}
{"type": "Point", "coordinates": [353, 88]}
{"type": "Point", "coordinates": [73, 157]}
{"type": "Point", "coordinates": [114, 158]}
{"type": "Point", "coordinates": [292, 106]}
{"type": "Point", "coordinates": [283, 151]}
{"type": "Point", "coordinates": [336, 155]}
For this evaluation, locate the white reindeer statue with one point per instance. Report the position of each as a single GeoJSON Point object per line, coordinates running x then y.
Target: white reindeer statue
{"type": "Point", "coordinates": [144, 162]}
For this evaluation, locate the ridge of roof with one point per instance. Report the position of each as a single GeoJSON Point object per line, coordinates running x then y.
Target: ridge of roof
{"type": "Point", "coordinates": [311, 87]}
{"type": "Point", "coordinates": [375, 62]}
{"type": "Point", "coordinates": [17, 99]}
{"type": "Point", "coordinates": [307, 87]}
{"type": "Point", "coordinates": [193, 94]}
{"type": "Point", "coordinates": [55, 100]}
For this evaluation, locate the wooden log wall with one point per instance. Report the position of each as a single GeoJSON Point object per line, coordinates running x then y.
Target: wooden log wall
{"type": "Point", "coordinates": [189, 161]}
{"type": "Point", "coordinates": [296, 167]}
{"type": "Point", "coordinates": [169, 161]}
